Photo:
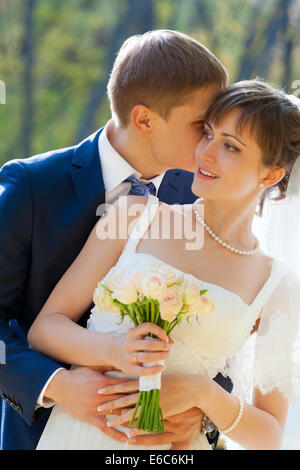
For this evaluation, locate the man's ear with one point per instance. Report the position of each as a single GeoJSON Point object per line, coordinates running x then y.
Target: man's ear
{"type": "Point", "coordinates": [142, 118]}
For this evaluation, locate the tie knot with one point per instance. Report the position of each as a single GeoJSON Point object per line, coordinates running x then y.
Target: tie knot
{"type": "Point", "coordinates": [139, 188]}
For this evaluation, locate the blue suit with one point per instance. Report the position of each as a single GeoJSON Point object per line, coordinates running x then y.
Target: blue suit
{"type": "Point", "coordinates": [48, 208]}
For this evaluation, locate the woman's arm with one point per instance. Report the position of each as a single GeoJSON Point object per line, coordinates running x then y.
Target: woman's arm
{"type": "Point", "coordinates": [262, 424]}
{"type": "Point", "coordinates": [55, 332]}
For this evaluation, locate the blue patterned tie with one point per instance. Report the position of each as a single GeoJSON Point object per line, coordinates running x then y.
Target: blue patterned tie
{"type": "Point", "coordinates": [139, 188]}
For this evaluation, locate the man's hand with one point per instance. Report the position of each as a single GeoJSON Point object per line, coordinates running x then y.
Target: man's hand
{"type": "Point", "coordinates": [76, 391]}
{"type": "Point", "coordinates": [181, 430]}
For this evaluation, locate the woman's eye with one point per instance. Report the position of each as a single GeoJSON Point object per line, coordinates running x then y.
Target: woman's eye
{"type": "Point", "coordinates": [231, 148]}
{"type": "Point", "coordinates": [206, 135]}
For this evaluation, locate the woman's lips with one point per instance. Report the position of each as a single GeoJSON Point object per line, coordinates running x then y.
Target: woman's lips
{"type": "Point", "coordinates": [205, 177]}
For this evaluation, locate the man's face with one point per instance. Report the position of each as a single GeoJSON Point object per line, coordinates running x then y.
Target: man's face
{"type": "Point", "coordinates": [174, 141]}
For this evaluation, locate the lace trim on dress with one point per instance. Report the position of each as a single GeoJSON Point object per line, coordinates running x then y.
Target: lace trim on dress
{"type": "Point", "coordinates": [277, 359]}
{"type": "Point", "coordinates": [270, 358]}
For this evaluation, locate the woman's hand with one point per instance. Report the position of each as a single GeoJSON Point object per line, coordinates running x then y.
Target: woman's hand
{"type": "Point", "coordinates": [179, 393]}
{"type": "Point", "coordinates": [129, 351]}
{"type": "Point", "coordinates": [182, 419]}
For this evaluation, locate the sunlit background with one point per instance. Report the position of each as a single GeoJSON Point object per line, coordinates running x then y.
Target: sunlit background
{"type": "Point", "coordinates": [55, 58]}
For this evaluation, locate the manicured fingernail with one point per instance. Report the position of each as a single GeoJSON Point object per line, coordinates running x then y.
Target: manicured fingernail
{"type": "Point", "coordinates": [109, 424]}
{"type": "Point", "coordinates": [132, 440]}
{"type": "Point", "coordinates": [101, 390]}
{"type": "Point", "coordinates": [101, 408]}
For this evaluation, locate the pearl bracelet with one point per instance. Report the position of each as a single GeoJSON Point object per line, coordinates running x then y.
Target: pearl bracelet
{"type": "Point", "coordinates": [237, 420]}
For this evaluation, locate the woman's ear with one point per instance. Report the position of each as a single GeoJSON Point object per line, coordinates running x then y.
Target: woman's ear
{"type": "Point", "coordinates": [273, 176]}
{"type": "Point", "coordinates": [141, 118]}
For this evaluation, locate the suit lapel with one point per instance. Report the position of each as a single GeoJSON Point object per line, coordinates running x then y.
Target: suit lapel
{"type": "Point", "coordinates": [89, 185]}
{"type": "Point", "coordinates": [87, 174]}
{"type": "Point", "coordinates": [169, 188]}
{"type": "Point", "coordinates": [176, 188]}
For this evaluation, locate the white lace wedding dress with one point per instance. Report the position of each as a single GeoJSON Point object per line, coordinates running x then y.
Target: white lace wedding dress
{"type": "Point", "coordinates": [221, 343]}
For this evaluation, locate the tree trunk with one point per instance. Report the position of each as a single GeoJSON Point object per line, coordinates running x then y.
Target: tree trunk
{"type": "Point", "coordinates": [248, 60]}
{"type": "Point", "coordinates": [27, 78]}
{"type": "Point", "coordinates": [138, 19]}
{"type": "Point", "coordinates": [288, 45]}
{"type": "Point", "coordinates": [257, 60]}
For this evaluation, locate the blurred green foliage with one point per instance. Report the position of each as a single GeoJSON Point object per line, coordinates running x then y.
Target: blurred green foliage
{"type": "Point", "coordinates": [55, 56]}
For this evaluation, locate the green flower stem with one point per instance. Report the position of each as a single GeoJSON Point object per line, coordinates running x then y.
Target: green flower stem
{"type": "Point", "coordinates": [162, 420]}
{"type": "Point", "coordinates": [137, 314]}
{"type": "Point", "coordinates": [135, 410]}
{"type": "Point", "coordinates": [148, 410]}
{"type": "Point", "coordinates": [154, 410]}
{"type": "Point", "coordinates": [150, 417]}
{"type": "Point", "coordinates": [151, 410]}
{"type": "Point", "coordinates": [140, 417]}
{"type": "Point", "coordinates": [131, 314]}
{"type": "Point", "coordinates": [156, 414]}
{"type": "Point", "coordinates": [147, 307]}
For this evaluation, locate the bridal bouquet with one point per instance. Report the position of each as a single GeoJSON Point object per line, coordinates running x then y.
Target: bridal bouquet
{"type": "Point", "coordinates": [161, 295]}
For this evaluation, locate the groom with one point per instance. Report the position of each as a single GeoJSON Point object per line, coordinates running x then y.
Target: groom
{"type": "Point", "coordinates": [160, 87]}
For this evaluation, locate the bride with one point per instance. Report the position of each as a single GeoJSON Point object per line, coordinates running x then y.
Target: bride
{"type": "Point", "coordinates": [250, 145]}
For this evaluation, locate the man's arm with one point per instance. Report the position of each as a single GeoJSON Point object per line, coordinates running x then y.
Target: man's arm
{"type": "Point", "coordinates": [25, 372]}
{"type": "Point", "coordinates": [24, 375]}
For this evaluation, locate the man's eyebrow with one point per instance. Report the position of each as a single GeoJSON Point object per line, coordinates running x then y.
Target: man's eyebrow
{"type": "Point", "coordinates": [200, 118]}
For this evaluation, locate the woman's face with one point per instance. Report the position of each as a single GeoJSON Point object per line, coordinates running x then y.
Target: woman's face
{"type": "Point", "coordinates": [235, 160]}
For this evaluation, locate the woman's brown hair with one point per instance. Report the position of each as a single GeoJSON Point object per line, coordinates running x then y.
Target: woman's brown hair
{"type": "Point", "coordinates": [274, 120]}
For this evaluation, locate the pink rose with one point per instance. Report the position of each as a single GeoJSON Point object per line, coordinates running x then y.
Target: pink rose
{"type": "Point", "coordinates": [171, 303]}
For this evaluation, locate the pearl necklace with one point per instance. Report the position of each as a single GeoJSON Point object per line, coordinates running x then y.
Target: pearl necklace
{"type": "Point", "coordinates": [224, 244]}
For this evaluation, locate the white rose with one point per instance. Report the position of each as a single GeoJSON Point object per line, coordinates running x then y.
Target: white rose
{"type": "Point", "coordinates": [126, 293]}
{"type": "Point", "coordinates": [138, 283]}
{"type": "Point", "coordinates": [204, 305]}
{"type": "Point", "coordinates": [122, 286]}
{"type": "Point", "coordinates": [196, 304]}
{"type": "Point", "coordinates": [169, 274]}
{"type": "Point", "coordinates": [153, 284]}
{"type": "Point", "coordinates": [102, 299]}
{"type": "Point", "coordinates": [191, 291]}
{"type": "Point", "coordinates": [171, 303]}
{"type": "Point", "coordinates": [207, 304]}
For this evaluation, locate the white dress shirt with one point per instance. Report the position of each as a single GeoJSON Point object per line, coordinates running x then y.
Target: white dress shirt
{"type": "Point", "coordinates": [114, 171]}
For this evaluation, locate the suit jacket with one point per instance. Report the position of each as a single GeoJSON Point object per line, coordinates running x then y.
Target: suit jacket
{"type": "Point", "coordinates": [48, 208]}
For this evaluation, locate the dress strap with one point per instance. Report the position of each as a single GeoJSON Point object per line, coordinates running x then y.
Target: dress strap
{"type": "Point", "coordinates": [142, 224]}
